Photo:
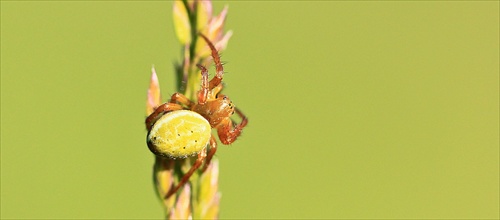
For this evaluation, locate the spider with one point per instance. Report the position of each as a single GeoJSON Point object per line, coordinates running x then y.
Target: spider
{"type": "Point", "coordinates": [181, 128]}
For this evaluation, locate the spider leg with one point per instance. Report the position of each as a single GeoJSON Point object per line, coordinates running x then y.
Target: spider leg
{"type": "Point", "coordinates": [203, 93]}
{"type": "Point", "coordinates": [218, 65]}
{"type": "Point", "coordinates": [211, 153]}
{"type": "Point", "coordinates": [185, 178]}
{"type": "Point", "coordinates": [228, 134]}
{"type": "Point", "coordinates": [217, 90]}
{"type": "Point", "coordinates": [166, 107]}
{"type": "Point", "coordinates": [182, 99]}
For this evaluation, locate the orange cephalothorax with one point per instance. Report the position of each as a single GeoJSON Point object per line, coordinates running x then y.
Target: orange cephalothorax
{"type": "Point", "coordinates": [216, 110]}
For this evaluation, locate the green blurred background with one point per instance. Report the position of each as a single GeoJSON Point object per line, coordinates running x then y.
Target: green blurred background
{"type": "Point", "coordinates": [357, 109]}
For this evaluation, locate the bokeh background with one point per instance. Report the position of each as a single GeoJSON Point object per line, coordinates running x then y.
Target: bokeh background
{"type": "Point", "coordinates": [357, 109]}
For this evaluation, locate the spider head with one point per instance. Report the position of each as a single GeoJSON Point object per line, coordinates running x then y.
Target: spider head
{"type": "Point", "coordinates": [216, 110]}
{"type": "Point", "coordinates": [226, 106]}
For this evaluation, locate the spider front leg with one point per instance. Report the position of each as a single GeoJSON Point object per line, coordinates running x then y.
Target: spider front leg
{"type": "Point", "coordinates": [228, 134]}
{"type": "Point", "coordinates": [218, 65]}
{"type": "Point", "coordinates": [201, 156]}
{"type": "Point", "coordinates": [203, 93]}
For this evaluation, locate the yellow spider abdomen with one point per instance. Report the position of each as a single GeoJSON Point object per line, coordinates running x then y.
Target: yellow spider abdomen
{"type": "Point", "coordinates": [179, 134]}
